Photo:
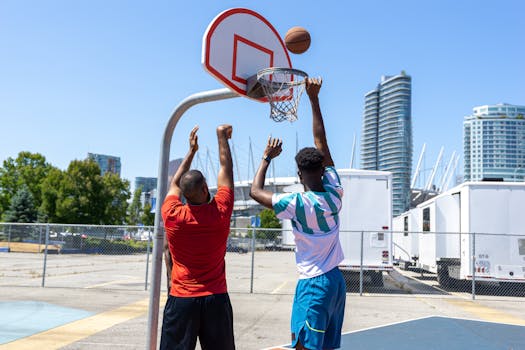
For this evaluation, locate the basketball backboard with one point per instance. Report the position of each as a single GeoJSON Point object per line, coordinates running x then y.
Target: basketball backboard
{"type": "Point", "coordinates": [237, 44]}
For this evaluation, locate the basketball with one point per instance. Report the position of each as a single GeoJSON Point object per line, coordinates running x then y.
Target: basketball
{"type": "Point", "coordinates": [297, 40]}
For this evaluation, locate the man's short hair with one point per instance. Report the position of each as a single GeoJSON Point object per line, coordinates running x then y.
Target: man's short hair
{"type": "Point", "coordinates": [309, 159]}
{"type": "Point", "coordinates": [190, 182]}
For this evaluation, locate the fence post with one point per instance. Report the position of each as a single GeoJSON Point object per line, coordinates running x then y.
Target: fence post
{"type": "Point", "coordinates": [39, 237]}
{"type": "Point", "coordinates": [473, 265]}
{"type": "Point", "coordinates": [361, 268]}
{"type": "Point", "coordinates": [253, 260]}
{"type": "Point", "coordinates": [45, 257]}
{"type": "Point", "coordinates": [9, 238]}
{"type": "Point", "coordinates": [147, 261]}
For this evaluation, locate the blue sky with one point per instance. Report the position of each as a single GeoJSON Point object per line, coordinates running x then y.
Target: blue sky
{"type": "Point", "coordinates": [105, 76]}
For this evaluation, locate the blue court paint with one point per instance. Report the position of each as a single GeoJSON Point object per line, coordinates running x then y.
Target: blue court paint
{"type": "Point", "coordinates": [19, 319]}
{"type": "Point", "coordinates": [437, 333]}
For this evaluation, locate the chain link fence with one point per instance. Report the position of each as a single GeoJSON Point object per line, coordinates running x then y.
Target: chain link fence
{"type": "Point", "coordinates": [263, 260]}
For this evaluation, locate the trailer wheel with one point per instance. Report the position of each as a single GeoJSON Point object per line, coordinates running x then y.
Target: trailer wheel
{"type": "Point", "coordinates": [376, 278]}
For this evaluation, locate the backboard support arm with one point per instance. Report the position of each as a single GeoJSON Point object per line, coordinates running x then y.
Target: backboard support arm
{"type": "Point", "coordinates": [162, 188]}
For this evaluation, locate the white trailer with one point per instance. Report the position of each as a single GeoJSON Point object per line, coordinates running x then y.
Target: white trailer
{"type": "Point", "coordinates": [475, 229]}
{"type": "Point", "coordinates": [405, 242]}
{"type": "Point", "coordinates": [366, 213]}
{"type": "Point", "coordinates": [367, 209]}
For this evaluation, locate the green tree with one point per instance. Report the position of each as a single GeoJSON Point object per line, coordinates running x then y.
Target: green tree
{"type": "Point", "coordinates": [268, 219]}
{"type": "Point", "coordinates": [116, 192]}
{"type": "Point", "coordinates": [81, 198]}
{"type": "Point", "coordinates": [50, 190]}
{"type": "Point", "coordinates": [135, 208]}
{"type": "Point", "coordinates": [22, 207]}
{"type": "Point", "coordinates": [29, 169]}
{"type": "Point", "coordinates": [147, 217]}
{"type": "Point", "coordinates": [80, 195]}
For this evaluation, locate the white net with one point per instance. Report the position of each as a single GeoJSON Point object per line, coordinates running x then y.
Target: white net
{"type": "Point", "coordinates": [283, 87]}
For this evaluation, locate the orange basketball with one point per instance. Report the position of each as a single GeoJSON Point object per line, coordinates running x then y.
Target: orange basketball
{"type": "Point", "coordinates": [297, 40]}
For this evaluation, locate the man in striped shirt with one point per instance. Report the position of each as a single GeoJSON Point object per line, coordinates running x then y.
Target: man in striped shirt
{"type": "Point", "coordinates": [319, 302]}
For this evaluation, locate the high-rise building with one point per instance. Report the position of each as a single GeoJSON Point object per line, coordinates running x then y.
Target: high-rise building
{"type": "Point", "coordinates": [173, 166]}
{"type": "Point", "coordinates": [386, 141]}
{"type": "Point", "coordinates": [106, 163]}
{"type": "Point", "coordinates": [149, 189]}
{"type": "Point", "coordinates": [147, 183]}
{"type": "Point", "coordinates": [494, 143]}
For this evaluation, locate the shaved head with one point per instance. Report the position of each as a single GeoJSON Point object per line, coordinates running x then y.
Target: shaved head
{"type": "Point", "coordinates": [191, 184]}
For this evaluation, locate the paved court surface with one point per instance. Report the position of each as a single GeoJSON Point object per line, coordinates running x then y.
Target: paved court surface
{"type": "Point", "coordinates": [107, 305]}
{"type": "Point", "coordinates": [435, 333]}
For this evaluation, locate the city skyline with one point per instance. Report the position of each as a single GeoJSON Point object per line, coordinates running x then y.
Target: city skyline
{"type": "Point", "coordinates": [104, 78]}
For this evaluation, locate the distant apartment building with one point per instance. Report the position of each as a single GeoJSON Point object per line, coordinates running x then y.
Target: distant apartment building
{"type": "Point", "coordinates": [386, 140]}
{"type": "Point", "coordinates": [147, 183]}
{"type": "Point", "coordinates": [149, 189]}
{"type": "Point", "coordinates": [494, 143]}
{"type": "Point", "coordinates": [106, 163]}
{"type": "Point", "coordinates": [173, 166]}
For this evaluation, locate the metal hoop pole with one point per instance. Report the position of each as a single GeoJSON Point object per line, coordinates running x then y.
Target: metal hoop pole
{"type": "Point", "coordinates": [162, 189]}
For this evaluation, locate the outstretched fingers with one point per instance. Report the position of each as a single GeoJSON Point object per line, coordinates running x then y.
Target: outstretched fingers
{"type": "Point", "coordinates": [274, 147]}
{"type": "Point", "coordinates": [194, 138]}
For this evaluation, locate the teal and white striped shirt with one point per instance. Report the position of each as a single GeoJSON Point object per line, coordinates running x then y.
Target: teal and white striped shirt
{"type": "Point", "coordinates": [315, 222]}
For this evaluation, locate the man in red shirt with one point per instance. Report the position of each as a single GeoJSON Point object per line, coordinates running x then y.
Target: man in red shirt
{"type": "Point", "coordinates": [198, 304]}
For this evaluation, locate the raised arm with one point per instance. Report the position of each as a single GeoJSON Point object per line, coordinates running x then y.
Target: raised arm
{"type": "Point", "coordinates": [257, 191]}
{"type": "Point", "coordinates": [175, 190]}
{"type": "Point", "coordinates": [225, 175]}
{"type": "Point", "coordinates": [313, 86]}
{"type": "Point", "coordinates": [185, 165]}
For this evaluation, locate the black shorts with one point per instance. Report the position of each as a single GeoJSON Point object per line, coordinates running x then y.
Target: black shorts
{"type": "Point", "coordinates": [209, 317]}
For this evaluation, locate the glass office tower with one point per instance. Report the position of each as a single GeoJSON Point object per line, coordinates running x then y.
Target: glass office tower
{"type": "Point", "coordinates": [494, 143]}
{"type": "Point", "coordinates": [386, 142]}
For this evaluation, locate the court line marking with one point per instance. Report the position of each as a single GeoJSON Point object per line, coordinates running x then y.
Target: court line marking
{"type": "Point", "coordinates": [114, 282]}
{"type": "Point", "coordinates": [281, 286]}
{"type": "Point", "coordinates": [61, 336]}
{"type": "Point", "coordinates": [284, 346]}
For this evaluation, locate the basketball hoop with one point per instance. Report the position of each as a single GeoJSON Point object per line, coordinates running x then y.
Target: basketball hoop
{"type": "Point", "coordinates": [283, 87]}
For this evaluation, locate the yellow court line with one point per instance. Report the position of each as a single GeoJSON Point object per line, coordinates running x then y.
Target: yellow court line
{"type": "Point", "coordinates": [281, 286]}
{"type": "Point", "coordinates": [487, 313]}
{"type": "Point", "coordinates": [69, 333]}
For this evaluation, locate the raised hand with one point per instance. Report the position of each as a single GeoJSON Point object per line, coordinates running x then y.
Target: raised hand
{"type": "Point", "coordinates": [225, 130]}
{"type": "Point", "coordinates": [273, 148]}
{"type": "Point", "coordinates": [313, 86]}
{"type": "Point", "coordinates": [194, 144]}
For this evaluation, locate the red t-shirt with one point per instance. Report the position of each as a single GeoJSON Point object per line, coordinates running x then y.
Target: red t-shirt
{"type": "Point", "coordinates": [197, 236]}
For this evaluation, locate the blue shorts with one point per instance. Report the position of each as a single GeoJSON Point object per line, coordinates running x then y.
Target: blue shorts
{"type": "Point", "coordinates": [318, 311]}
